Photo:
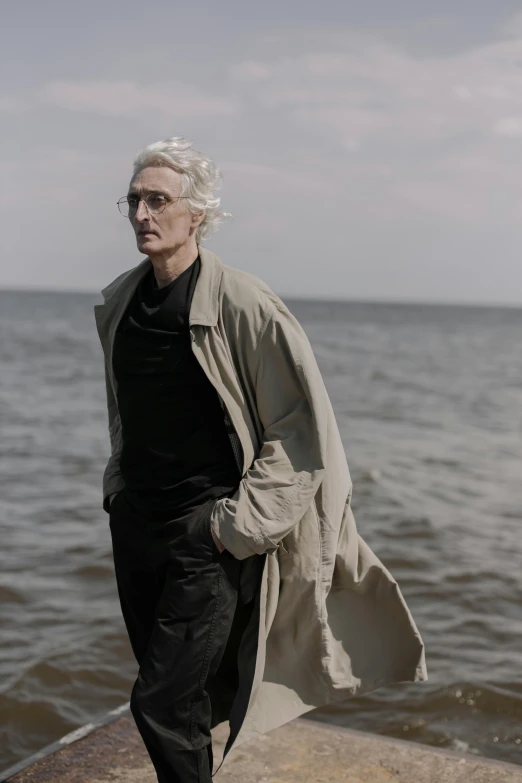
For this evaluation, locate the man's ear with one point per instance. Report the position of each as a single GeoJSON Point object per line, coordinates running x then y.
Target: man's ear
{"type": "Point", "coordinates": [198, 218]}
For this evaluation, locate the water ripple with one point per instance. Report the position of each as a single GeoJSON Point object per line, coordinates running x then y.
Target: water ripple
{"type": "Point", "coordinates": [428, 403]}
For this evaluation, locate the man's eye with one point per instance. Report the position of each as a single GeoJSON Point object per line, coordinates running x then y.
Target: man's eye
{"type": "Point", "coordinates": [133, 202]}
{"type": "Point", "coordinates": [156, 201]}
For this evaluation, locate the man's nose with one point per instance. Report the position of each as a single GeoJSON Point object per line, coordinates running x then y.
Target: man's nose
{"type": "Point", "coordinates": [142, 213]}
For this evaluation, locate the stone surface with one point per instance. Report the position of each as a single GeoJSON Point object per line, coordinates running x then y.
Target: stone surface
{"type": "Point", "coordinates": [302, 751]}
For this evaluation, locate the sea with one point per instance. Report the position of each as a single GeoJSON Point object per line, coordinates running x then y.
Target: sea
{"type": "Point", "coordinates": [428, 400]}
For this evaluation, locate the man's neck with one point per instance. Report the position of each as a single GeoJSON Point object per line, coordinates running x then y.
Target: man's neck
{"type": "Point", "coordinates": [166, 269]}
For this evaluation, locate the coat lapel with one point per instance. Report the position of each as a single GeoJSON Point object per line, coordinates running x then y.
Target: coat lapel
{"type": "Point", "coordinates": [108, 315]}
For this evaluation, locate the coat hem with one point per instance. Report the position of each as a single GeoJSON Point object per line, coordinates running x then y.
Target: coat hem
{"type": "Point", "coordinates": [418, 674]}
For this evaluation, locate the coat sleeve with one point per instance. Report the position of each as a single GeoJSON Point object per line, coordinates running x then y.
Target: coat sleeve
{"type": "Point", "coordinates": [292, 405]}
{"type": "Point", "coordinates": [112, 478]}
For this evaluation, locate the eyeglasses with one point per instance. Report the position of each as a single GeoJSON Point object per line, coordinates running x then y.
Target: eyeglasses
{"type": "Point", "coordinates": [155, 203]}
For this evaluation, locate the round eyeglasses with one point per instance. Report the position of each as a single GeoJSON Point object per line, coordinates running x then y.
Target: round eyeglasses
{"type": "Point", "coordinates": [155, 203]}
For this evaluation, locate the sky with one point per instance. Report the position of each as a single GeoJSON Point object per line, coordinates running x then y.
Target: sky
{"type": "Point", "coordinates": [369, 150]}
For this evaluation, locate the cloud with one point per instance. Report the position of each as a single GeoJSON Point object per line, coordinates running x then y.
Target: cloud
{"type": "Point", "coordinates": [513, 27]}
{"type": "Point", "coordinates": [369, 90]}
{"type": "Point", "coordinates": [270, 177]}
{"type": "Point", "coordinates": [434, 136]}
{"type": "Point", "coordinates": [123, 99]}
{"type": "Point", "coordinates": [249, 70]}
{"type": "Point", "coordinates": [13, 104]}
{"type": "Point", "coordinates": [340, 150]}
{"type": "Point", "coordinates": [509, 126]}
{"type": "Point", "coordinates": [57, 177]}
{"type": "Point", "coordinates": [120, 99]}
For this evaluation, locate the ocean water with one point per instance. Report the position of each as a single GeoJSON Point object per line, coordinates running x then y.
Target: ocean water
{"type": "Point", "coordinates": [429, 404]}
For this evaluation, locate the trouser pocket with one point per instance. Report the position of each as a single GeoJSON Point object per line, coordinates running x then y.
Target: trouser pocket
{"type": "Point", "coordinates": [207, 530]}
{"type": "Point", "coordinates": [114, 499]}
{"type": "Point", "coordinates": [113, 507]}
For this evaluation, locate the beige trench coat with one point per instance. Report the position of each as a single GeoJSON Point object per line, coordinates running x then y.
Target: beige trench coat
{"type": "Point", "coordinates": [332, 620]}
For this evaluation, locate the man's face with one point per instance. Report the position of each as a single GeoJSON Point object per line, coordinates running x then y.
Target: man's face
{"type": "Point", "coordinates": [160, 235]}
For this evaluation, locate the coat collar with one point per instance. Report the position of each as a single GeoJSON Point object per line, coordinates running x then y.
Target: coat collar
{"type": "Point", "coordinates": [205, 305]}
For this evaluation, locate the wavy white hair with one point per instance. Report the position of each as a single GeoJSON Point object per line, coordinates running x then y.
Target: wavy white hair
{"type": "Point", "coordinates": [200, 178]}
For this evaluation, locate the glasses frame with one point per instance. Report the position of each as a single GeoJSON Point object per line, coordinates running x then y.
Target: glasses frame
{"type": "Point", "coordinates": [124, 200]}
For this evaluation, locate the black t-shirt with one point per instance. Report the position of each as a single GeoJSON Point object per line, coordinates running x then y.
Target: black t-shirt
{"type": "Point", "coordinates": [176, 452]}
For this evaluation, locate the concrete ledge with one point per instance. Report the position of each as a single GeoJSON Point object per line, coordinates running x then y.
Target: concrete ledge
{"type": "Point", "coordinates": [303, 751]}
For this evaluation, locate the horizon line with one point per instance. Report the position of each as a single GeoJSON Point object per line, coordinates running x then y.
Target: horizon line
{"type": "Point", "coordinates": [301, 298]}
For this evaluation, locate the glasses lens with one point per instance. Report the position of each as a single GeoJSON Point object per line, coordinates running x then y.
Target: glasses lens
{"type": "Point", "coordinates": [156, 203]}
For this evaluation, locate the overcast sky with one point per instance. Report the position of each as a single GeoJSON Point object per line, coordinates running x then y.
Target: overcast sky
{"type": "Point", "coordinates": [369, 150]}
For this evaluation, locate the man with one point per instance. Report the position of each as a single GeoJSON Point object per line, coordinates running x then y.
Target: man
{"type": "Point", "coordinates": [247, 593]}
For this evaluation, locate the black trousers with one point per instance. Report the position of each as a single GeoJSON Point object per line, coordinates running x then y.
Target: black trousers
{"type": "Point", "coordinates": [179, 599]}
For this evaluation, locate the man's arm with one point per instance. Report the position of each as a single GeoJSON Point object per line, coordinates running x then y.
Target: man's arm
{"type": "Point", "coordinates": [112, 478]}
{"type": "Point", "coordinates": [292, 404]}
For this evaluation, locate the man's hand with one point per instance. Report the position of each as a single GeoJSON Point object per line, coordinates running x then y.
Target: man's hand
{"type": "Point", "coordinates": [217, 541]}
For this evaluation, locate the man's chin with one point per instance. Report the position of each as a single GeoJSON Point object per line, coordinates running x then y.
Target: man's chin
{"type": "Point", "coordinates": [145, 244]}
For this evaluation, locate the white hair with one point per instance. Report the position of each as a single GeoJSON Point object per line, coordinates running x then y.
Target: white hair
{"type": "Point", "coordinates": [200, 178]}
